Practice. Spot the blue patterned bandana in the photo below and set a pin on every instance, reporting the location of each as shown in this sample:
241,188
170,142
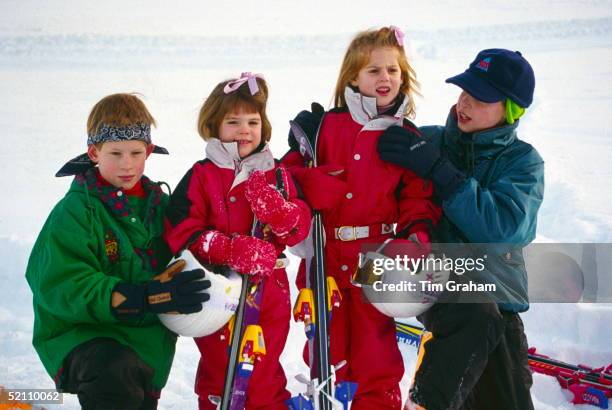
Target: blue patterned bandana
109,133
112,133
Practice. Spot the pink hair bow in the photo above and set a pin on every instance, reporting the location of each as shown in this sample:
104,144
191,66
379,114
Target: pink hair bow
247,77
399,35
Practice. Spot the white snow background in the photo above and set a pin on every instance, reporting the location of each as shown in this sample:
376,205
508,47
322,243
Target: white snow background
57,58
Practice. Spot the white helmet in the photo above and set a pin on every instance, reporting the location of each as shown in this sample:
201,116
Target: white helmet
216,312
399,292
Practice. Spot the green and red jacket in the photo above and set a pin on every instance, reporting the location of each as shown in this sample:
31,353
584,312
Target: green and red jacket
94,238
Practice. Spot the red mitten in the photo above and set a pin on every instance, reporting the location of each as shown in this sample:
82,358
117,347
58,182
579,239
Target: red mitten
322,187
418,245
301,230
244,254
252,256
268,203
422,239
212,247
401,248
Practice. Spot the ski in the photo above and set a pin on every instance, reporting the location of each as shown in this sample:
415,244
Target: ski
313,308
247,344
588,385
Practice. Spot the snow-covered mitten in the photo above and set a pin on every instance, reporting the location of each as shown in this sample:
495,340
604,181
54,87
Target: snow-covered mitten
268,203
242,253
322,186
252,256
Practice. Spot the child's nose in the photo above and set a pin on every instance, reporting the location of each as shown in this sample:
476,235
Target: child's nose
464,100
244,128
126,162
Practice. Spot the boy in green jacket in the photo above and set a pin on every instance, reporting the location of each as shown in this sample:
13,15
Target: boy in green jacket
92,269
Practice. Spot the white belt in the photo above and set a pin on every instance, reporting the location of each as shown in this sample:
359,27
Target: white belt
351,233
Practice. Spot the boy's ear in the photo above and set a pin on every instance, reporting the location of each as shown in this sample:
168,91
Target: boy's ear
92,153
150,148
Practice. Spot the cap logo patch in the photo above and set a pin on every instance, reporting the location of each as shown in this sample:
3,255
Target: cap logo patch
484,64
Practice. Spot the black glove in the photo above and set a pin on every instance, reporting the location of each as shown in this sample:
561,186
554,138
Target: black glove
309,121
181,293
410,150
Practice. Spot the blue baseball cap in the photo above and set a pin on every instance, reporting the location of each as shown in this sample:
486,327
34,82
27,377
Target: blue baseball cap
497,74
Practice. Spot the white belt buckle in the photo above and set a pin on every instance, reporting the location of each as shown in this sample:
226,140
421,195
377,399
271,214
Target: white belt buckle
350,235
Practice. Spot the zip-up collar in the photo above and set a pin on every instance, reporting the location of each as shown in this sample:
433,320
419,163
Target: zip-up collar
486,142
225,155
364,111
466,148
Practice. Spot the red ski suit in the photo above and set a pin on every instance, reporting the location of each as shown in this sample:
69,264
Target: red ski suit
377,193
211,196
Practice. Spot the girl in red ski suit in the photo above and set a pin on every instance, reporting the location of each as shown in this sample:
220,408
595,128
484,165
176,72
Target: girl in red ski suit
211,213
361,198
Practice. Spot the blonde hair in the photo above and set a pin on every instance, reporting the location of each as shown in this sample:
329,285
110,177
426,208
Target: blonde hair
118,110
358,55
219,104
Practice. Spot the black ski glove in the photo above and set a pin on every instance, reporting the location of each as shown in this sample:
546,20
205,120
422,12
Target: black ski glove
309,121
410,150
178,293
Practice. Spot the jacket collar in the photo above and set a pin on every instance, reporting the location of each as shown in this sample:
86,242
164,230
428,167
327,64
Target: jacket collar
114,198
364,111
225,155
485,142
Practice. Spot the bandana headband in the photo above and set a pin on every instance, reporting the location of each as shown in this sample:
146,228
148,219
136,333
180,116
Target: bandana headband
112,133
247,77
109,133
399,35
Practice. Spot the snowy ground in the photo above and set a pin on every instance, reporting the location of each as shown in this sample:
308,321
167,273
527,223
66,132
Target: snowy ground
58,58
